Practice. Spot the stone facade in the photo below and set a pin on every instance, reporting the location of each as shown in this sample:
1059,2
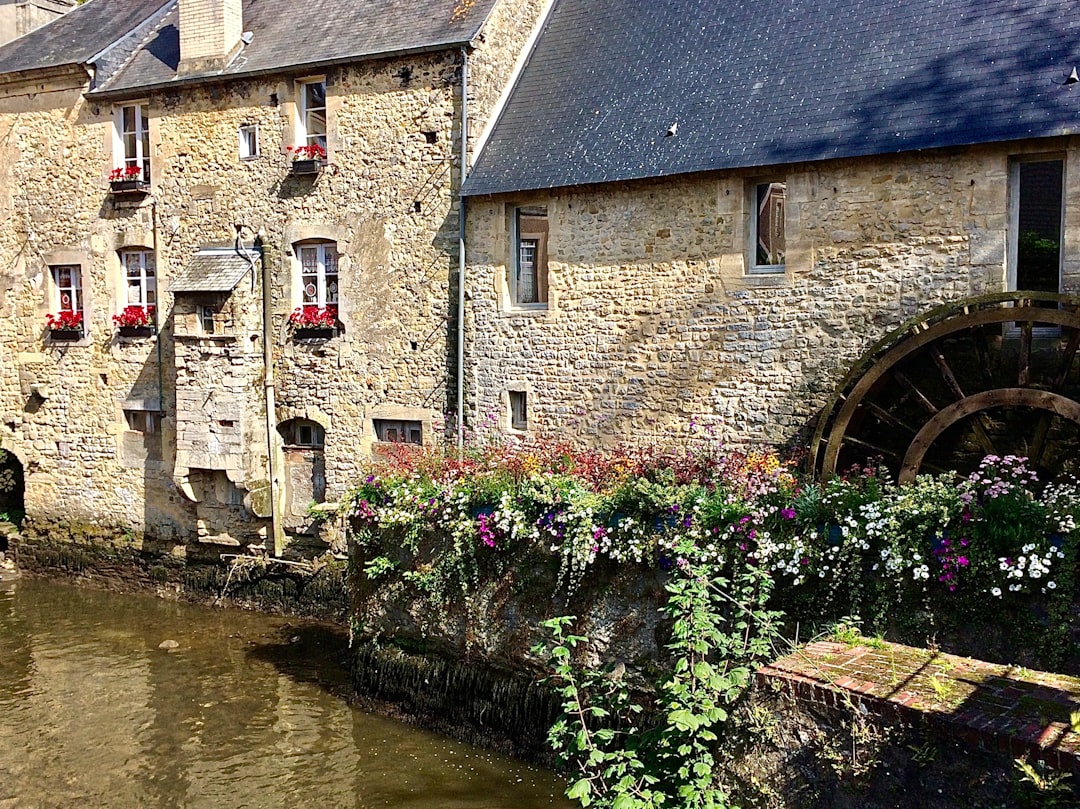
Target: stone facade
165,436
18,17
654,322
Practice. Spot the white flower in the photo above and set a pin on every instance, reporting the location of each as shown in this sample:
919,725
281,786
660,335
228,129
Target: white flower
996,591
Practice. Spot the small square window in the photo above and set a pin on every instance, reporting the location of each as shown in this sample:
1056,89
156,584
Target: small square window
519,410
767,244
529,262
396,431
249,141
143,421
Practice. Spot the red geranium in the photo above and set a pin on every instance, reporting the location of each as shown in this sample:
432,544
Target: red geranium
312,317
65,321
125,173
135,316
312,152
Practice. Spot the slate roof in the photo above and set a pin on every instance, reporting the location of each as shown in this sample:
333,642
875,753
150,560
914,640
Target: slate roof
77,36
212,269
753,85
288,34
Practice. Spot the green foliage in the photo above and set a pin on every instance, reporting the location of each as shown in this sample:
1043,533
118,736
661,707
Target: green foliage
1039,787
630,755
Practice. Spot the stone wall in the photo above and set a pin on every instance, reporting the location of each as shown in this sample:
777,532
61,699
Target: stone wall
386,198
653,321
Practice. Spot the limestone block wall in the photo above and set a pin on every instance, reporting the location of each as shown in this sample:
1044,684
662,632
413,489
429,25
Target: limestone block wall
386,199
654,323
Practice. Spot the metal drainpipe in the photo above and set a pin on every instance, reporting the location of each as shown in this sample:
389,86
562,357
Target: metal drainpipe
157,314
268,385
461,248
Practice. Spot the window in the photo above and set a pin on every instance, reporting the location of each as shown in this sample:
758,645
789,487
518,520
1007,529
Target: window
767,247
141,279
133,131
69,299
519,410
143,421
529,272
397,431
318,275
1037,214
206,319
249,141
303,433
312,108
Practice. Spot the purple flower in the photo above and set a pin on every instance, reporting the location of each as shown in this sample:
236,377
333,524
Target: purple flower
787,513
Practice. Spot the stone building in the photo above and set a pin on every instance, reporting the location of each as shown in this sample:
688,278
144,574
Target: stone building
708,217
18,17
227,239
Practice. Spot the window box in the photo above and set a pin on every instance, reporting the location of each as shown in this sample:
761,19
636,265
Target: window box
135,331
65,335
122,187
307,167
314,332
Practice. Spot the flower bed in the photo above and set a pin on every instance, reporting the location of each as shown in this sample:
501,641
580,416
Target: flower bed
940,549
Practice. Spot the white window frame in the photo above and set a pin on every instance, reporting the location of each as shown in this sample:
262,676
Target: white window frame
207,321
140,155
322,278
520,238
74,290
1014,214
304,136
755,222
145,276
247,136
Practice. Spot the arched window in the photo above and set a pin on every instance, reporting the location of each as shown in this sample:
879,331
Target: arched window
302,434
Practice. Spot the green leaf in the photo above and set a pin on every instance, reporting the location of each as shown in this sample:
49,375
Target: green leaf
683,720
580,791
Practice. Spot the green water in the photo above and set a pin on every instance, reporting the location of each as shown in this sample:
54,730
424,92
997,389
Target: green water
249,711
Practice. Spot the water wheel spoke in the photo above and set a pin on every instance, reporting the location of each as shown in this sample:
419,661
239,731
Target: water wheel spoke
982,350
888,417
890,453
1023,376
979,426
1066,362
920,397
946,373
1038,440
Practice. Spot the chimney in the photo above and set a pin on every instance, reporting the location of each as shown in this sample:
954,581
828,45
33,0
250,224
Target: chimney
209,34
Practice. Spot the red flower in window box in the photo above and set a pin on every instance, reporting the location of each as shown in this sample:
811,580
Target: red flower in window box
312,152
135,317
312,317
66,321
123,173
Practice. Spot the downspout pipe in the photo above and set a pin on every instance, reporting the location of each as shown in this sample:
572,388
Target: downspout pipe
271,407
460,388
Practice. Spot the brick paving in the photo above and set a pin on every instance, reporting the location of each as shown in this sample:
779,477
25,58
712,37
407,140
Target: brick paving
1009,709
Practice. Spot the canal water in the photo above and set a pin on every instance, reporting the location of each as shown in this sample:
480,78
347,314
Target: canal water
248,711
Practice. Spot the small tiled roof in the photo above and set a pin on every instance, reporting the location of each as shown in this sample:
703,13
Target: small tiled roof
287,35
213,269
751,85
79,35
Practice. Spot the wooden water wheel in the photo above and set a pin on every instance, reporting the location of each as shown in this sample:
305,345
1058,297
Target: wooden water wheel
993,375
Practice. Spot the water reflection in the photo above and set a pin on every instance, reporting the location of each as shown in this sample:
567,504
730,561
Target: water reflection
249,711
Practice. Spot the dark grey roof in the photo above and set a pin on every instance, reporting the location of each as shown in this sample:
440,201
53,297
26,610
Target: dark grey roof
212,269
754,85
79,35
287,34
